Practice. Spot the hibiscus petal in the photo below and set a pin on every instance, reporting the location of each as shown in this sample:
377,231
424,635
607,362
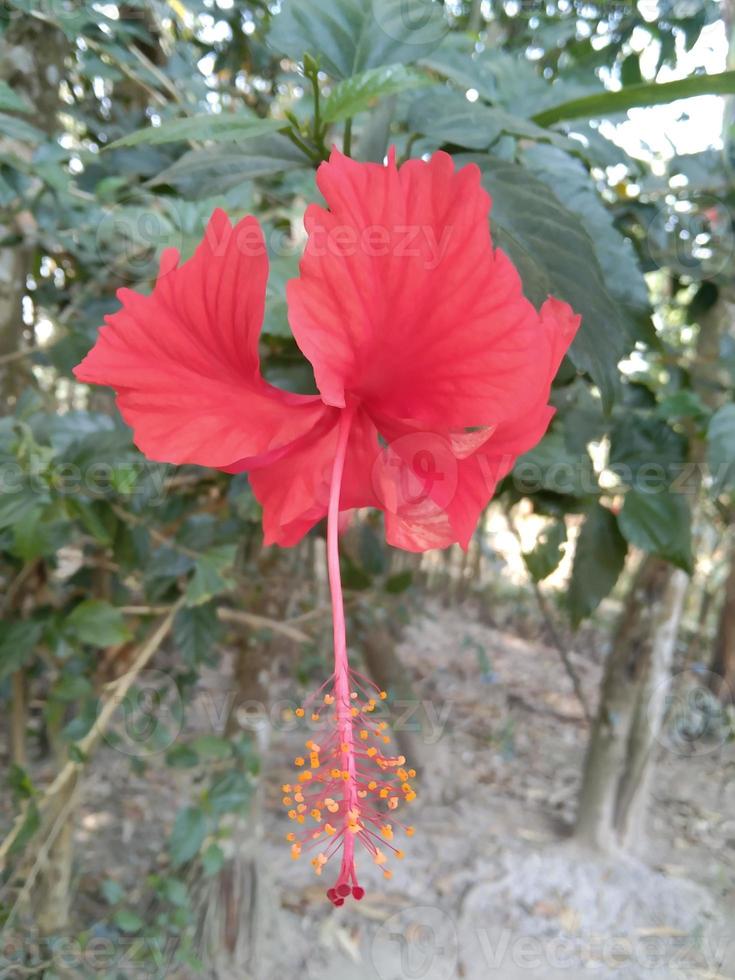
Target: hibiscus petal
294,490
184,360
433,486
403,302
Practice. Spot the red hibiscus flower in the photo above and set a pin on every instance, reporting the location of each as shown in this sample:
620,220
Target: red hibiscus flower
434,374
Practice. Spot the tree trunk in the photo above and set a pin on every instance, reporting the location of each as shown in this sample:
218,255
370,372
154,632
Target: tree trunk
723,663
235,919
616,778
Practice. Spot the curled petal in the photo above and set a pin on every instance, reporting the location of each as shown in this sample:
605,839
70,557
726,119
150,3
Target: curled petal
184,360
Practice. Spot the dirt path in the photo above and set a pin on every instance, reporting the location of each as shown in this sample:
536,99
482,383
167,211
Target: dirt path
490,886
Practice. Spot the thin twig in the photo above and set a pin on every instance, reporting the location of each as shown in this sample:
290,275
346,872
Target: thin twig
550,625
227,615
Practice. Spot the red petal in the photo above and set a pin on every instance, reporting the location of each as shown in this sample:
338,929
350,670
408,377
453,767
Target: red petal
294,491
402,301
184,360
433,486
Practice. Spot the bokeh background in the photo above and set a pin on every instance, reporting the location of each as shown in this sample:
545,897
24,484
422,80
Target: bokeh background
564,687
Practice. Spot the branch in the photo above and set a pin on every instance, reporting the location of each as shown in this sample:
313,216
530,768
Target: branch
551,627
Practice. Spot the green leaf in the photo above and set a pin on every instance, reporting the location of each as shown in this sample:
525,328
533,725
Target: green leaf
19,129
554,254
372,550
659,523
18,639
632,96
196,632
10,101
551,466
572,185
547,552
19,506
358,93
112,891
446,116
127,921
230,792
645,452
181,757
211,747
721,448
187,835
221,128
209,577
31,824
203,173
97,623
351,36
399,582
212,859
598,561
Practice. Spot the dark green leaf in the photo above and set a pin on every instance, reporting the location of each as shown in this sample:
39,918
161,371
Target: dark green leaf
399,582
554,254
547,552
187,836
18,639
551,466
209,578
196,632
659,523
598,561
572,185
96,623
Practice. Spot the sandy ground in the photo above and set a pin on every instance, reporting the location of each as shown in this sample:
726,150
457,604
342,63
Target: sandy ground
491,886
